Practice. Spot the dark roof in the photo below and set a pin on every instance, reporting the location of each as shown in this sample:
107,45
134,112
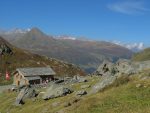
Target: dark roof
36,71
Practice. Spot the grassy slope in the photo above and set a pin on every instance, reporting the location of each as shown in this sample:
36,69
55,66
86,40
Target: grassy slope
39,106
142,56
125,98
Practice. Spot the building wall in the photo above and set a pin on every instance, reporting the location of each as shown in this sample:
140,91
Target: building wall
20,80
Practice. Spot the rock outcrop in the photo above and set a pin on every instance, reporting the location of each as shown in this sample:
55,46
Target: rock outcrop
106,68
105,82
55,91
25,92
110,72
122,66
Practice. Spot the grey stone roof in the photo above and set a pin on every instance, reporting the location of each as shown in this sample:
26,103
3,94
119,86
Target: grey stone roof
35,71
33,78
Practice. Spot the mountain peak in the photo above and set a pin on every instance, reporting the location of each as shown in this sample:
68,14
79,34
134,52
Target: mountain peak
36,31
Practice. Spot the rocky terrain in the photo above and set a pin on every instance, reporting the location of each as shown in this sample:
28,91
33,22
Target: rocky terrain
122,87
84,53
13,57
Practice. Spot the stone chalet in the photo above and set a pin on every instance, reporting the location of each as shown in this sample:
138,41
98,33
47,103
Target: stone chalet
36,75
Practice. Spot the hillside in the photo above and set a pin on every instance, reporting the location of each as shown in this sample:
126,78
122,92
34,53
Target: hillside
13,58
86,54
123,87
142,56
124,96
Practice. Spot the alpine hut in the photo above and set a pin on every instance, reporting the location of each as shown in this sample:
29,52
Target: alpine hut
36,75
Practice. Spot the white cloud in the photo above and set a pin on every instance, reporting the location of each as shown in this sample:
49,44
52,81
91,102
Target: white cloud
128,7
131,46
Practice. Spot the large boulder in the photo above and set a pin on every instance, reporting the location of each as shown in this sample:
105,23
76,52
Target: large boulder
105,82
25,92
106,68
56,91
125,66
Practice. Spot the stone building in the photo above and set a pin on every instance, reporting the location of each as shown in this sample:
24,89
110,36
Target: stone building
36,75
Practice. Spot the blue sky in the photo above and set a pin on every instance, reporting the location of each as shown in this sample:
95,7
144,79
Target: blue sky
121,20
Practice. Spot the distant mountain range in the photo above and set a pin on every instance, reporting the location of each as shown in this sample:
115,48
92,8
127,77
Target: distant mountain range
85,53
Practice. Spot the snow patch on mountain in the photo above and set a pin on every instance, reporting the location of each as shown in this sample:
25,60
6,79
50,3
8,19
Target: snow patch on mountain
65,37
132,46
14,31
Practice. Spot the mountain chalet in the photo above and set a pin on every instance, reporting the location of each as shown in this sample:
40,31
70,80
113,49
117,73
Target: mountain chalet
36,75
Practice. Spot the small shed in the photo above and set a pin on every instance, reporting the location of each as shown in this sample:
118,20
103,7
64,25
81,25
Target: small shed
36,75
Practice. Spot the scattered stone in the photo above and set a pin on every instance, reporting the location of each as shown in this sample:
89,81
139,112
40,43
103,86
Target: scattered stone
145,86
55,104
74,100
81,93
85,86
44,110
77,78
40,94
33,99
66,104
38,63
138,85
145,78
60,111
